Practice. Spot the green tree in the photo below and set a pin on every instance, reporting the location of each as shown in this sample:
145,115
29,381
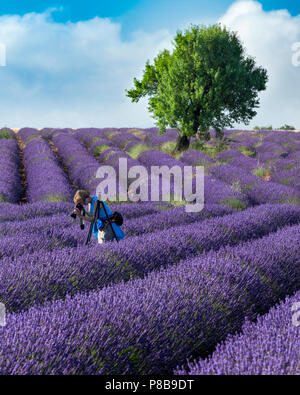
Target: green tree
206,82
287,127
263,127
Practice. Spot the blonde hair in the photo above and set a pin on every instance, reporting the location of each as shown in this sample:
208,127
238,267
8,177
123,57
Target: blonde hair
81,194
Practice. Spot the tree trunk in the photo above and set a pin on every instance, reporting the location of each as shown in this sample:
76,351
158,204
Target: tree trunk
183,143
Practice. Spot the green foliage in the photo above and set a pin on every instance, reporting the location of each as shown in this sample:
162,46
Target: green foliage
5,134
198,145
247,151
109,153
135,151
210,149
118,201
206,82
286,181
263,127
168,147
55,198
92,141
137,132
291,201
289,166
2,199
262,172
100,148
234,203
162,207
287,127
111,133
178,203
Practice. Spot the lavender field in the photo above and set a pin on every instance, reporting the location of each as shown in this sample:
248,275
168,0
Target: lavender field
204,293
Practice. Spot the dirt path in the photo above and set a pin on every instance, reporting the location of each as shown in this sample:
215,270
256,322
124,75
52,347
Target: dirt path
22,171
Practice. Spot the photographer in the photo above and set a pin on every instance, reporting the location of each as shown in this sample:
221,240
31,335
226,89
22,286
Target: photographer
102,229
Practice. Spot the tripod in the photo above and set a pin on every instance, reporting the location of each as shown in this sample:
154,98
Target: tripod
96,215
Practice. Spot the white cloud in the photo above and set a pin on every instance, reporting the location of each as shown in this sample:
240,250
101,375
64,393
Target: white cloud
269,37
72,74
75,74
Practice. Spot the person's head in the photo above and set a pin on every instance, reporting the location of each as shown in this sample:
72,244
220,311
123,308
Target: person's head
82,197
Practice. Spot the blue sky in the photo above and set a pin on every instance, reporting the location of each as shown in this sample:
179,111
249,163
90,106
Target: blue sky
81,10
68,62
137,14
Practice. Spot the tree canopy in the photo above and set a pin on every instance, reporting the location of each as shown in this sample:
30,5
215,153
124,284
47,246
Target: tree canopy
208,81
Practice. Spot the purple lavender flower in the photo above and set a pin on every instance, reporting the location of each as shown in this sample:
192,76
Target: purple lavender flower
152,325
46,181
10,183
114,262
268,347
270,192
28,134
99,146
228,155
89,136
238,178
196,158
120,140
290,178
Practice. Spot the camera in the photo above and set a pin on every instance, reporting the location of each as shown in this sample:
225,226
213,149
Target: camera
78,207
81,209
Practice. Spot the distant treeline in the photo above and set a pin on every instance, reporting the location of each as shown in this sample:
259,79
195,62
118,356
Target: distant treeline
284,127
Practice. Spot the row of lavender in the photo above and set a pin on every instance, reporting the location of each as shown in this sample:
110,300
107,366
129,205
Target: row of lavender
45,179
152,325
12,213
58,231
56,273
81,166
10,183
269,347
134,215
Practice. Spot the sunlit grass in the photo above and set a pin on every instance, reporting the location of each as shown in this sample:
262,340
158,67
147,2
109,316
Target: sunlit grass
135,151
211,150
290,201
286,181
55,198
111,133
235,203
138,133
94,141
262,172
247,151
100,148
168,147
